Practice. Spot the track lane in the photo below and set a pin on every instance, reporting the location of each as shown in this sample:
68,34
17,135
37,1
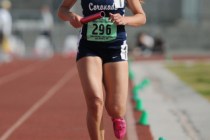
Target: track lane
61,118
19,73
16,65
19,95
67,76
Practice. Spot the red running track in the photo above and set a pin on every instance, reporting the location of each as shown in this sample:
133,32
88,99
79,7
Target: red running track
43,100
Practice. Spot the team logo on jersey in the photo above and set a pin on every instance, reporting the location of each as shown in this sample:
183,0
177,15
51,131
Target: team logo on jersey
94,7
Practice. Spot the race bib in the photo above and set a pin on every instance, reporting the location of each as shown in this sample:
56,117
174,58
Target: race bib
101,30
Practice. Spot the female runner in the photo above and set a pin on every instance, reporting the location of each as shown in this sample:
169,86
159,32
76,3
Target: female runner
102,59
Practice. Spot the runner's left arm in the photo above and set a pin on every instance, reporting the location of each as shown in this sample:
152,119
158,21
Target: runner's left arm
137,19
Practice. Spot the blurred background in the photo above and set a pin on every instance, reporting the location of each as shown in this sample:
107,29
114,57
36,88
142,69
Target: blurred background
180,27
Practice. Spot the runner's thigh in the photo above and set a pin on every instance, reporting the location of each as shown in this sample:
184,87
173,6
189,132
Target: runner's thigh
90,72
116,83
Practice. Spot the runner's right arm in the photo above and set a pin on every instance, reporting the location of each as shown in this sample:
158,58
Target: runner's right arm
65,14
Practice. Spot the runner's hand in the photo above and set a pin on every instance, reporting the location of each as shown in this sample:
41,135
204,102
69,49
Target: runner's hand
117,19
74,20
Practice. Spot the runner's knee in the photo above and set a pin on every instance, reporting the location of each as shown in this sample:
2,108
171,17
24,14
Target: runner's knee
116,111
95,106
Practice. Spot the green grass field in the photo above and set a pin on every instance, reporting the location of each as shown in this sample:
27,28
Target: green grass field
195,74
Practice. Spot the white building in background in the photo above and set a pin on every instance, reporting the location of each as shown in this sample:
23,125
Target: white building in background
70,45
43,47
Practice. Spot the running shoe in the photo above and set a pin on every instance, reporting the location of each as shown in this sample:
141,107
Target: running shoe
119,128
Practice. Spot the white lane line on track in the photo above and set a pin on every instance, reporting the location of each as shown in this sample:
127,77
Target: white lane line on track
52,91
17,74
131,128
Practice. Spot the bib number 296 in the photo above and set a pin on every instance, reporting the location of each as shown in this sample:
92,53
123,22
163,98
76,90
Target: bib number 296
101,30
